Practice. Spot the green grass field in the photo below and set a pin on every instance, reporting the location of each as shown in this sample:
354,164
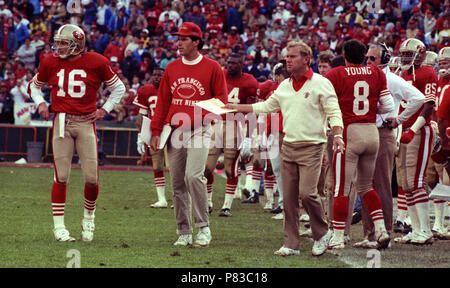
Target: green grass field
130,234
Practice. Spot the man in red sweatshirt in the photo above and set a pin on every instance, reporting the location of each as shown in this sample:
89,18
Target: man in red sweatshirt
186,81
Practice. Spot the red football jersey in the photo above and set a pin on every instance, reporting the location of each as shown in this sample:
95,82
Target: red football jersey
75,83
358,89
443,111
146,99
264,95
242,88
266,88
425,79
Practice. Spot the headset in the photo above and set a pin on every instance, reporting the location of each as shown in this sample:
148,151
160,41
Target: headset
385,53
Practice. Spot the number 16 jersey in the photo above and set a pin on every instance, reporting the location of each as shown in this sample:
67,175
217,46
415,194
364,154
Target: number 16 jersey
358,89
74,84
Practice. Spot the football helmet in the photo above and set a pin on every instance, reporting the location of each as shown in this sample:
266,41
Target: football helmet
444,62
69,40
431,59
412,52
394,64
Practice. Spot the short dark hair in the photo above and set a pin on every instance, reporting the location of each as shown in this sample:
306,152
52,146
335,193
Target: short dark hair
337,61
200,44
355,51
281,70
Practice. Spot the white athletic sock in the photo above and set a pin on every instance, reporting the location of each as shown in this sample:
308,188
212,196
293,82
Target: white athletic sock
161,192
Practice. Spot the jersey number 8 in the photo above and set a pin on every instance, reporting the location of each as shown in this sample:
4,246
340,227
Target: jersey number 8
361,86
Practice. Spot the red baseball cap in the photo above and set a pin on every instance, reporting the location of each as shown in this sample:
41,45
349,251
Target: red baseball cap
189,29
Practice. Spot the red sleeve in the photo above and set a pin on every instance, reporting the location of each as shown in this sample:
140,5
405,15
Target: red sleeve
106,74
162,105
219,84
140,100
44,71
443,111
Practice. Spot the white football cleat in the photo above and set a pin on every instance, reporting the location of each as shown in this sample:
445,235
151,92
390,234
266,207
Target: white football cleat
283,251
279,216
62,235
184,240
203,238
321,245
422,238
87,230
405,239
336,244
268,206
159,204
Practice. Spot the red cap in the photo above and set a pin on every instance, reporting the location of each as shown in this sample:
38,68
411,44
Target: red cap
189,29
353,9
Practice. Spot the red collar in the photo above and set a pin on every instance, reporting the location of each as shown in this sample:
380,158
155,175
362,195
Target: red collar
298,84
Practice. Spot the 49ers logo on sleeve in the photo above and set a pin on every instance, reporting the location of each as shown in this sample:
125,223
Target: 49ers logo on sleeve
187,87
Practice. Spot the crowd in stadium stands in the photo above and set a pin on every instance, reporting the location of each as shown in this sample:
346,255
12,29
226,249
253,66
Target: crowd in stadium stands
136,34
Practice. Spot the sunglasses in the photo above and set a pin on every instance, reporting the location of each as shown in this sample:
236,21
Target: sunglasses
372,58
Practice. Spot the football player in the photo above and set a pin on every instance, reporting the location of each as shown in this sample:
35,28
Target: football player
242,88
417,141
75,76
146,101
443,117
379,55
361,92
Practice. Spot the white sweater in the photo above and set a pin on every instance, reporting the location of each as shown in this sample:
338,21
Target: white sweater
306,111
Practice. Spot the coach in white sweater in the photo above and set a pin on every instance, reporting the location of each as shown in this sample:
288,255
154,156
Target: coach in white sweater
306,101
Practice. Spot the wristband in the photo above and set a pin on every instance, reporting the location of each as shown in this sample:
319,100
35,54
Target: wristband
339,135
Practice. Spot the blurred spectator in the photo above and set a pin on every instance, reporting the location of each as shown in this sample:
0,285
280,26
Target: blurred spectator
27,54
118,21
137,53
353,17
19,92
417,17
330,17
4,11
429,22
214,24
406,6
21,29
8,40
136,22
104,14
170,56
251,67
129,65
37,42
114,48
166,26
6,104
173,15
195,16
37,26
234,18
26,9
412,30
45,52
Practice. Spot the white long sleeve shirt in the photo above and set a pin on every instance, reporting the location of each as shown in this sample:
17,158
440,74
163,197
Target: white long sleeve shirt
305,112
401,90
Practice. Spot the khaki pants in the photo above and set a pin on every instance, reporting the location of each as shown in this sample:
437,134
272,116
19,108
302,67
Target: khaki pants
382,182
300,171
80,134
414,159
187,167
